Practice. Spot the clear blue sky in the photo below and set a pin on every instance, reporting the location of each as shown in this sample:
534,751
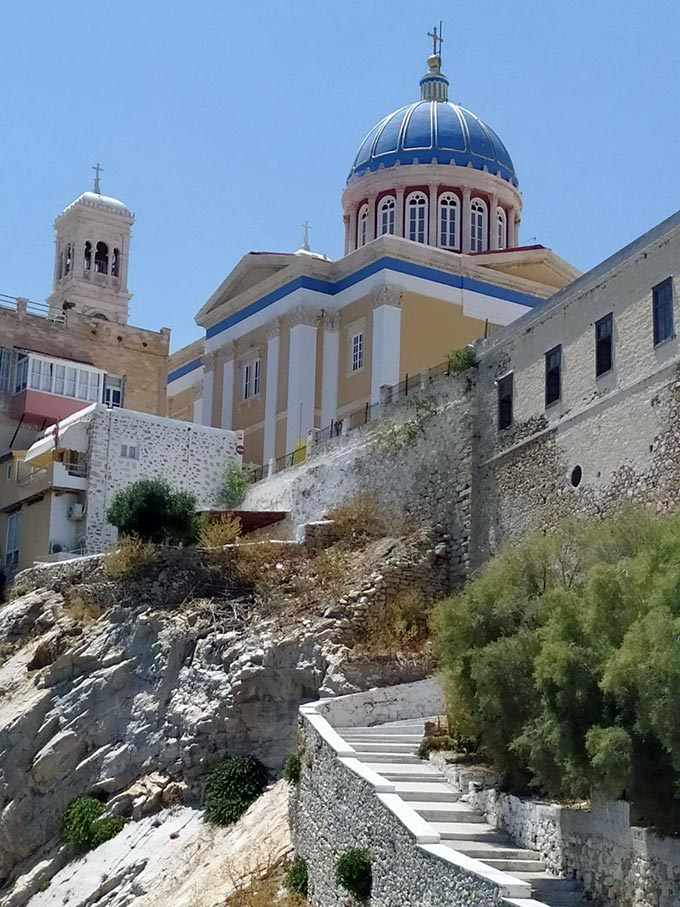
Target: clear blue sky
225,125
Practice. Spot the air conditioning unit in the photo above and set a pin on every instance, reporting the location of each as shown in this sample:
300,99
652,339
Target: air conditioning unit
75,512
56,547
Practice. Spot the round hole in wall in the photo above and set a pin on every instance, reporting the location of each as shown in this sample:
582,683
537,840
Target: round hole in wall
576,476
144,344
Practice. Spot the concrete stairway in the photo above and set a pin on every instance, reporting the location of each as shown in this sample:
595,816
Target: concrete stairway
391,751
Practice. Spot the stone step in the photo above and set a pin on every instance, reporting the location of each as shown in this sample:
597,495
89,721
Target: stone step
492,850
383,746
514,866
448,814
416,771
438,791
392,758
412,740
552,891
412,730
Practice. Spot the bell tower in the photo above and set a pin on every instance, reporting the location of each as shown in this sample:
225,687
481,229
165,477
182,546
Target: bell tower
91,256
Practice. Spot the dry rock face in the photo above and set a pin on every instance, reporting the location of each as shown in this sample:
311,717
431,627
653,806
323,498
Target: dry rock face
134,703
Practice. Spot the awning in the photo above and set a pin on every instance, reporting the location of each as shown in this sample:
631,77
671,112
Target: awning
63,436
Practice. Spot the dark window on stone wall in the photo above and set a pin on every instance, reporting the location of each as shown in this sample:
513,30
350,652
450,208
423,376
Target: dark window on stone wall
604,340
505,389
662,306
553,375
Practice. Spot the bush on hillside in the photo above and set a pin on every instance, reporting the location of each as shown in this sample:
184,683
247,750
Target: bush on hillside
236,480
84,829
459,361
152,511
217,533
563,659
130,558
232,787
291,768
296,880
359,520
353,872
400,626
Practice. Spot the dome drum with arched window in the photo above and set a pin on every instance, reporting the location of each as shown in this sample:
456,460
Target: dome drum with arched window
433,173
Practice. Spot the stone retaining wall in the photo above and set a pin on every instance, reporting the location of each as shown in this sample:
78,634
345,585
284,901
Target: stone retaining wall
619,865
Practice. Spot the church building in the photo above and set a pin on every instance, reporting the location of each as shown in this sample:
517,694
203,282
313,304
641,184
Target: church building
432,261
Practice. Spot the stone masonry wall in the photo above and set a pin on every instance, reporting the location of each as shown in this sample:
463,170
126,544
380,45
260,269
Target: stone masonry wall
191,457
336,810
619,866
417,462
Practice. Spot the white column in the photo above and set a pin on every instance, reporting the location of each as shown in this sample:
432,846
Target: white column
493,223
301,375
399,213
386,349
208,385
433,239
198,403
371,218
467,222
227,415
271,391
330,370
345,218
352,227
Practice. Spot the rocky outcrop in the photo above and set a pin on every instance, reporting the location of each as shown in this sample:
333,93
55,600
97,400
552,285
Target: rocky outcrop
128,690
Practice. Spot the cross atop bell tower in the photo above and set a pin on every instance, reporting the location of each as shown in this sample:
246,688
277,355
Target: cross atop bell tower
97,170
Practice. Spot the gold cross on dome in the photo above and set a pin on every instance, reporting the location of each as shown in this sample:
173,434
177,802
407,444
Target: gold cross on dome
97,170
436,39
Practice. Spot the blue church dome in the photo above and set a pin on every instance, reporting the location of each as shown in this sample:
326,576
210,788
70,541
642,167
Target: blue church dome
433,130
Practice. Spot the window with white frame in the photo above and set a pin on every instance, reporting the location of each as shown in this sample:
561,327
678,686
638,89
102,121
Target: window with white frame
113,391
12,540
129,451
362,226
477,225
252,374
449,221
416,208
386,212
51,377
502,228
357,350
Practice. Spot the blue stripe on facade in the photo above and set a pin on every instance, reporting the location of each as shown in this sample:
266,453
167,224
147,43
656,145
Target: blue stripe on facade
184,370
332,289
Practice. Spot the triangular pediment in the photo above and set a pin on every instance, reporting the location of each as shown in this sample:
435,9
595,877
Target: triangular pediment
252,269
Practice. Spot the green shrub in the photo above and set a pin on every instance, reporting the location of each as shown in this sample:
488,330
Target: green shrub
83,827
78,819
235,484
296,880
461,360
105,829
291,769
457,743
154,512
232,787
353,872
563,658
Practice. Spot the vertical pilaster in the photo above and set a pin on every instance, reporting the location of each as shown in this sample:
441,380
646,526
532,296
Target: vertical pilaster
227,415
330,369
386,348
198,403
345,220
271,390
208,387
371,218
493,223
467,221
352,227
399,213
301,375
433,239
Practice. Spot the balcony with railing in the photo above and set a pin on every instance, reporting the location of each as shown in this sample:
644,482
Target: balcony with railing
29,482
22,306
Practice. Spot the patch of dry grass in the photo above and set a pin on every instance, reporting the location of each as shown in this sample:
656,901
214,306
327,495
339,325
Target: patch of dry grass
220,532
399,627
130,557
359,520
262,886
